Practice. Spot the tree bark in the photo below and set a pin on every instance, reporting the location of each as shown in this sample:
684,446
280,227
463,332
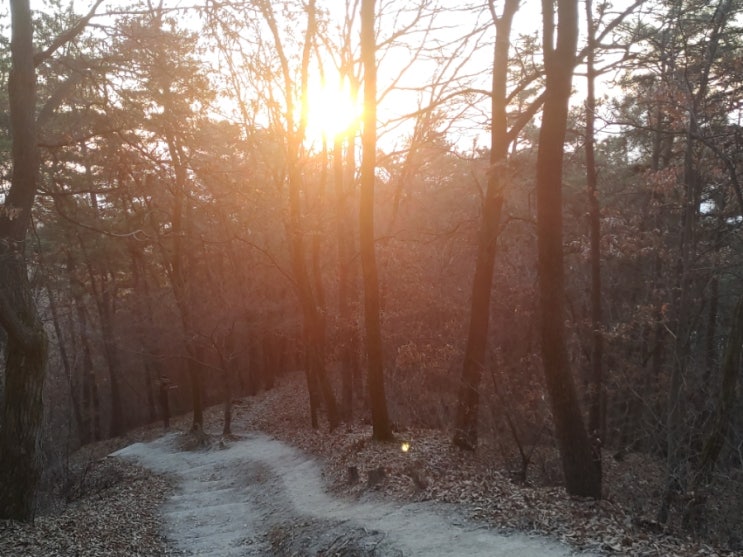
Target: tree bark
375,358
344,260
582,476
106,314
596,418
313,322
465,428
91,430
180,264
26,348
64,356
145,326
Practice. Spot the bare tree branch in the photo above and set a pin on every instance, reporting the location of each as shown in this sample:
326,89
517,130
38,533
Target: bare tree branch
66,36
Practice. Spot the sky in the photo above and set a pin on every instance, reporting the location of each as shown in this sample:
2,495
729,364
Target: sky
393,66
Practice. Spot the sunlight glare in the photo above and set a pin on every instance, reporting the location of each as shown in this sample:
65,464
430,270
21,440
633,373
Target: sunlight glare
330,110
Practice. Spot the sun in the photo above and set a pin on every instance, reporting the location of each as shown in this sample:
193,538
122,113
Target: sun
331,109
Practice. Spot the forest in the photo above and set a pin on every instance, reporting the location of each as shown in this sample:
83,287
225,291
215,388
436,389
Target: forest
517,224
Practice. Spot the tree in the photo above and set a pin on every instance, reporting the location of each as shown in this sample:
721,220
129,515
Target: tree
347,329
26,349
465,435
170,77
582,475
26,345
596,417
344,182
314,323
375,360
696,95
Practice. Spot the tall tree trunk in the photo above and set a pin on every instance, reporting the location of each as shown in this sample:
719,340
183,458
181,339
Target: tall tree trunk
375,358
62,346
465,427
317,288
582,475
596,421
180,266
682,325
106,308
225,349
710,350
344,260
313,322
145,327
181,259
354,350
91,430
26,347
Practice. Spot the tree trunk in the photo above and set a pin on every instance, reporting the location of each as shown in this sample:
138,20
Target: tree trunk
596,415
64,356
194,354
145,326
710,350
227,363
25,366
26,347
343,305
104,304
354,349
465,428
164,389
91,430
179,278
582,476
375,376
313,322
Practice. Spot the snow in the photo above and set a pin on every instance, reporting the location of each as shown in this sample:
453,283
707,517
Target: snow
239,499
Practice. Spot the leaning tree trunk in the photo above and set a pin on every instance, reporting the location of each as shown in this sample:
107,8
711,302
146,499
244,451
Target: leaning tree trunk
582,476
465,429
26,348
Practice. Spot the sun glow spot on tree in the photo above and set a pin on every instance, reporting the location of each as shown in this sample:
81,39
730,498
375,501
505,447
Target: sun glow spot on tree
330,109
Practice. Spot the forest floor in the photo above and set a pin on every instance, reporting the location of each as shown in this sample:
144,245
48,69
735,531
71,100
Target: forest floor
252,496
277,487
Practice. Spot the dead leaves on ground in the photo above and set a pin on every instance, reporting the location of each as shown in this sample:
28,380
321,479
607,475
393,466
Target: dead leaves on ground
116,513
431,469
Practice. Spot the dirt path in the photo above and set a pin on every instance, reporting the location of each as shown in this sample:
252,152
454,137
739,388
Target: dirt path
260,497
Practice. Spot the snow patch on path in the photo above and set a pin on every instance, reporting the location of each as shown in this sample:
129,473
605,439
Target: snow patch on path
231,501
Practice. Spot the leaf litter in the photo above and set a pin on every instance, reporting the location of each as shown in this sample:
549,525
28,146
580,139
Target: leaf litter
124,511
